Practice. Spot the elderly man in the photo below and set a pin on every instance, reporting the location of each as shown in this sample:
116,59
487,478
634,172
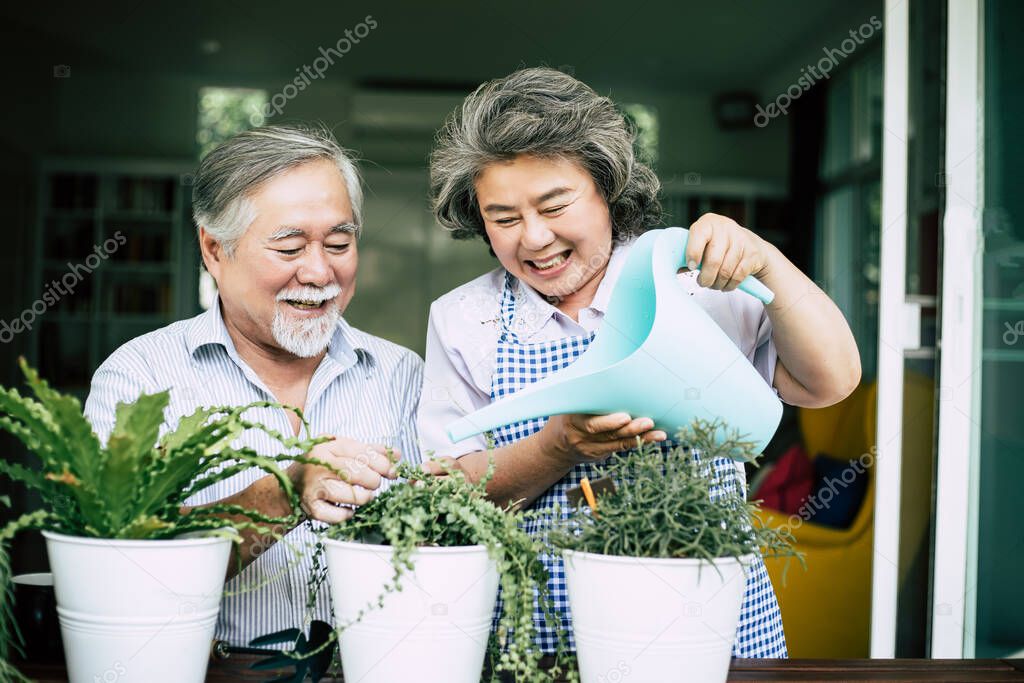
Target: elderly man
278,211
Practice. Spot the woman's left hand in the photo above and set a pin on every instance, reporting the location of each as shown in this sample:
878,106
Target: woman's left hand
725,251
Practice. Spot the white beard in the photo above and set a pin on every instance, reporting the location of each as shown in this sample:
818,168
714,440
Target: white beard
309,337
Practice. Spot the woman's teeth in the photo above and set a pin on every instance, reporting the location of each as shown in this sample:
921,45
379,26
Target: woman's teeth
550,263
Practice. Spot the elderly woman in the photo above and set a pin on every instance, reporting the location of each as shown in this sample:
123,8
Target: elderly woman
542,168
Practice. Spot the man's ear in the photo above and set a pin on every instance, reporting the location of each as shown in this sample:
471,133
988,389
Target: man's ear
213,252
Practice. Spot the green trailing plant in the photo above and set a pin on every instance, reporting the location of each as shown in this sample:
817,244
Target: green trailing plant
9,636
675,505
446,511
134,487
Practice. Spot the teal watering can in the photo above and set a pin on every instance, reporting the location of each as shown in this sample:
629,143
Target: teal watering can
658,354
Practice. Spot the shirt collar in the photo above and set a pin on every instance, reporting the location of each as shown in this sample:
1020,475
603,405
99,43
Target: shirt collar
347,347
533,311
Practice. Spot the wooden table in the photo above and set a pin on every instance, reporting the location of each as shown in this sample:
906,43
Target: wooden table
236,668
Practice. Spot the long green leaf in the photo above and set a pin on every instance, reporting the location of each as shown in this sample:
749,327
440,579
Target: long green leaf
30,478
130,446
138,423
33,425
232,509
79,440
169,476
188,427
268,464
120,480
29,520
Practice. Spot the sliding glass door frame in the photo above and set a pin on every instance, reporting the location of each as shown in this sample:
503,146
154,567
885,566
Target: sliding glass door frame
893,325
954,598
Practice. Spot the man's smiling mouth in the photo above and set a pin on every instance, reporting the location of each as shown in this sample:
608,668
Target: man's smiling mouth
305,305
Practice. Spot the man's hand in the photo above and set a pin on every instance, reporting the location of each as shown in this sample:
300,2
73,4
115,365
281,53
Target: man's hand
322,490
579,438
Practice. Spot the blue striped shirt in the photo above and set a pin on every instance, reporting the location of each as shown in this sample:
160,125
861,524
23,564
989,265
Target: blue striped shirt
365,388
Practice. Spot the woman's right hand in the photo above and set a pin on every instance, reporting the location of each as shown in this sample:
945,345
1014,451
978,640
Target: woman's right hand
581,438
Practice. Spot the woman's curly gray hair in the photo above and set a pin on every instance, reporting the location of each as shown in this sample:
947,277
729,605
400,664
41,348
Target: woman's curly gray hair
545,113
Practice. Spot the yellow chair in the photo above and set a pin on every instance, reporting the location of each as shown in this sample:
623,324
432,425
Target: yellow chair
826,609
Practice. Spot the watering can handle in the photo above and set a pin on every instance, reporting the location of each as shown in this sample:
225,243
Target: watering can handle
750,284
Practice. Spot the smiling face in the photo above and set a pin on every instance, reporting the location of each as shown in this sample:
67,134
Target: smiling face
548,225
293,272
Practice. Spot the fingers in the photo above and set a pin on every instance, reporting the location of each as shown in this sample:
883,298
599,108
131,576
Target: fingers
336,491
323,511
614,426
331,500
599,424
725,251
654,436
361,462
350,474
731,267
711,265
380,459
600,435
439,466
700,234
635,428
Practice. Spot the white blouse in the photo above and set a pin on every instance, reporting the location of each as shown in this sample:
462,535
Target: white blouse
465,324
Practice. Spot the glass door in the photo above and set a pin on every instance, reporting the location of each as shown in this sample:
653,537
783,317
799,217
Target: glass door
977,607
913,190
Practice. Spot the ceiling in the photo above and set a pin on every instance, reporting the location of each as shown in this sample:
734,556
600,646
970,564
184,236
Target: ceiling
707,47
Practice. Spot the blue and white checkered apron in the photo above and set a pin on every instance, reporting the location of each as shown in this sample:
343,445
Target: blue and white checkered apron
518,365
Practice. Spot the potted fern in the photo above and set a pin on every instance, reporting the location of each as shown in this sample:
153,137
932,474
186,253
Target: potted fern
138,577
656,561
415,577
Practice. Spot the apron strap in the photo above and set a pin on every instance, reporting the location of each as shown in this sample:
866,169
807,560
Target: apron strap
507,310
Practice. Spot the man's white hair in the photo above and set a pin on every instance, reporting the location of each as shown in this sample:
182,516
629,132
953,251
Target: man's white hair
229,175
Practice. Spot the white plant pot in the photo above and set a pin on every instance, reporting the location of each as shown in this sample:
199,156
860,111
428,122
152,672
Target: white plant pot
432,631
137,610
654,620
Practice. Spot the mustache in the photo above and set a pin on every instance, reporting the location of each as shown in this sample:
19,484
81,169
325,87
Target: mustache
315,294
